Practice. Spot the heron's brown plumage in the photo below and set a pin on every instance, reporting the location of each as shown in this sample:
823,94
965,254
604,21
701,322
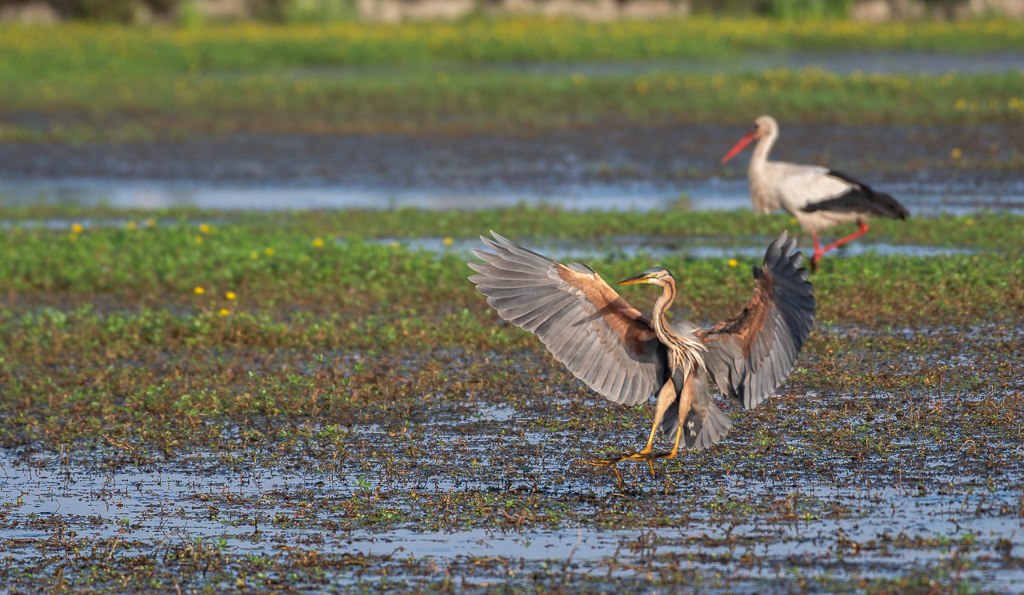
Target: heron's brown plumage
626,322
584,323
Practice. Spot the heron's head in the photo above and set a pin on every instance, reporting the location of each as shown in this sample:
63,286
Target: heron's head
653,276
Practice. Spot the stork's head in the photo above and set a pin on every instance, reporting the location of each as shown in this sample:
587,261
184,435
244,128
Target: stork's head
653,276
763,126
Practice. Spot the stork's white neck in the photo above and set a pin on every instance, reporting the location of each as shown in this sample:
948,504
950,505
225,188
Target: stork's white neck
761,150
761,192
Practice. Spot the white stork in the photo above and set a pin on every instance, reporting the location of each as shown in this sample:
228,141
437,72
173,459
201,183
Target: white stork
817,196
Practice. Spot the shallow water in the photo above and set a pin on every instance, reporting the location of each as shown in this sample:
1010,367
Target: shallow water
713,194
186,505
887,62
660,247
839,62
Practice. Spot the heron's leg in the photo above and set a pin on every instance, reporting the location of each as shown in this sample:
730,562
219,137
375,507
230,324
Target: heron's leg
863,230
817,247
666,396
685,404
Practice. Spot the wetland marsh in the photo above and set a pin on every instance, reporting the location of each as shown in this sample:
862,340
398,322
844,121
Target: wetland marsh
355,416
238,349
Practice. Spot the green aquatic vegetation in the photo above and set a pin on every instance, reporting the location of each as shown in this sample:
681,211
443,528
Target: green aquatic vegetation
255,276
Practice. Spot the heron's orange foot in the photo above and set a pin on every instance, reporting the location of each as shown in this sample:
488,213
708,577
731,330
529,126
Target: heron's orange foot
648,456
603,462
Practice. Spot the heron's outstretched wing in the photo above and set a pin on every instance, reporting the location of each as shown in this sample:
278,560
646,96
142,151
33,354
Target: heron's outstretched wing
584,323
752,353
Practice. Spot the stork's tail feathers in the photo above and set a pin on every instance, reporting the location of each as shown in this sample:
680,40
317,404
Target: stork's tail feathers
860,198
887,206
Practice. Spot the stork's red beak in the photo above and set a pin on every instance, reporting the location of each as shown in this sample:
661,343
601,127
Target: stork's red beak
739,146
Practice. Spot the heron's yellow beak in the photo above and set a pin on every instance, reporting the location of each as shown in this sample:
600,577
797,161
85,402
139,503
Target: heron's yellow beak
641,278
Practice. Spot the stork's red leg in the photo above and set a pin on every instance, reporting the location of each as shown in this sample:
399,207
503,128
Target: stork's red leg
817,248
863,230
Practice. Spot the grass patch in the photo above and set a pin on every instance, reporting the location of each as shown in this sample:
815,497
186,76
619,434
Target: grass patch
262,47
128,83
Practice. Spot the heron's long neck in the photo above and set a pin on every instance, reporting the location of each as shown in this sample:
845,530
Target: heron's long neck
680,347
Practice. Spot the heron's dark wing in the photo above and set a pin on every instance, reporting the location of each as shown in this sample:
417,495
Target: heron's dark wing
751,354
584,323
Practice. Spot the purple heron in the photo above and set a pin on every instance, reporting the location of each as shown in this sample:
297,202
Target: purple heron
817,196
627,357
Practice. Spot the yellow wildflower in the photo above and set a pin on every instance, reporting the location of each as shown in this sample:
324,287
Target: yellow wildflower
72,237
393,244
318,243
448,241
733,262
269,251
230,295
76,228
150,222
224,312
199,290
254,255
969,222
956,153
131,226
198,239
204,228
